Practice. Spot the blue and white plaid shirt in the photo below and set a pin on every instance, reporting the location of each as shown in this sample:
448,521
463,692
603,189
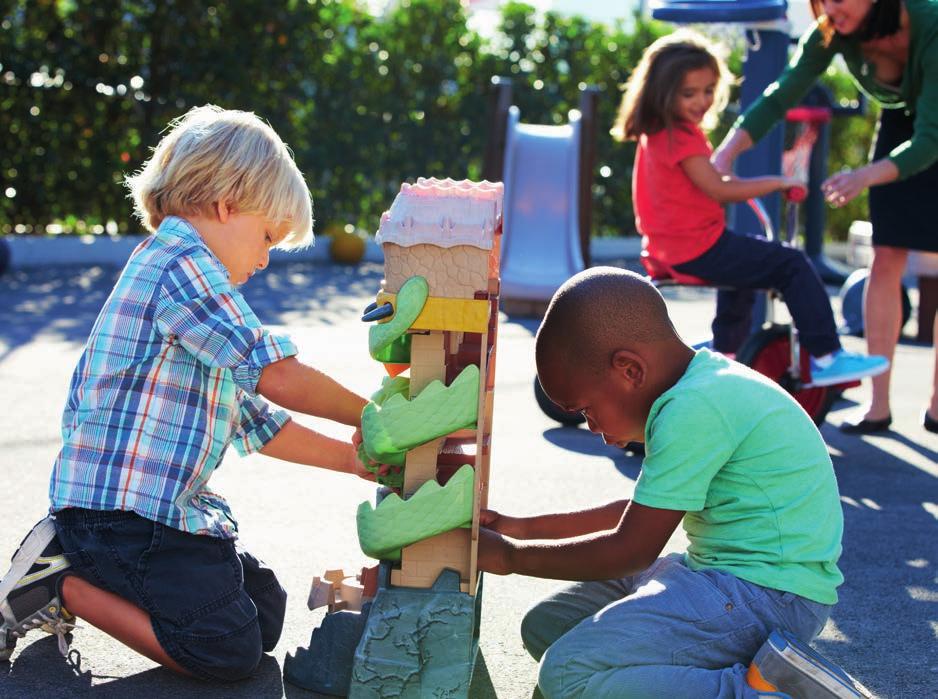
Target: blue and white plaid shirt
167,380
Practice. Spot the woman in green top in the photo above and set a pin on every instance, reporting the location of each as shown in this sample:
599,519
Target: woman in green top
891,49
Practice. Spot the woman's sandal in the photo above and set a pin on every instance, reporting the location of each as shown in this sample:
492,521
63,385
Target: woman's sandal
865,426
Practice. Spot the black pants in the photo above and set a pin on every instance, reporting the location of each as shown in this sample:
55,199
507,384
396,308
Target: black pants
748,263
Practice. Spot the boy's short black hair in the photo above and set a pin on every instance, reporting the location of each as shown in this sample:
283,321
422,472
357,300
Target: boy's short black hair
596,312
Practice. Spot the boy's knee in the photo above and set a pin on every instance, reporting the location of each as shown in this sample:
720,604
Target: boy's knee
556,674
534,634
271,612
223,643
230,658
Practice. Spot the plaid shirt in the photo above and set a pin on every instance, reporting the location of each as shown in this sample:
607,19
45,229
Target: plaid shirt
167,380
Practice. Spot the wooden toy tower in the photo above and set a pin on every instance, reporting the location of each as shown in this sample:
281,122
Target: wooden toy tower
449,233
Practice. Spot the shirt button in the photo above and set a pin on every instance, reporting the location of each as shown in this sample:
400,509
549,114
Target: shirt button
729,606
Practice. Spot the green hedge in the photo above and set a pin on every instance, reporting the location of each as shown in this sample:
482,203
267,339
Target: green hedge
364,102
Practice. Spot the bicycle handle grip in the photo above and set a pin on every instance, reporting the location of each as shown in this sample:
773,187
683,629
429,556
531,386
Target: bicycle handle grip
796,194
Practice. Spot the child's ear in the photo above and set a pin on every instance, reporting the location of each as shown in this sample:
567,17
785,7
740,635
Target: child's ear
223,210
630,366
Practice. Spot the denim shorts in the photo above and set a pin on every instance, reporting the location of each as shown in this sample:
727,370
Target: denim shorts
214,607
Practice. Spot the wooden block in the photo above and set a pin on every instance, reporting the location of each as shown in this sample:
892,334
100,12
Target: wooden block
426,559
420,466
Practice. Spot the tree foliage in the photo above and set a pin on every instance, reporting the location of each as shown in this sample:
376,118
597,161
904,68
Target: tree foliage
364,102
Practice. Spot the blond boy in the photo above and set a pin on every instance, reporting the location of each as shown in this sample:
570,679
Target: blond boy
173,372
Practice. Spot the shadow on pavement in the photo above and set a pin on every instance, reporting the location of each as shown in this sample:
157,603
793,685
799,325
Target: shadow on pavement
39,667
63,302
889,600
583,441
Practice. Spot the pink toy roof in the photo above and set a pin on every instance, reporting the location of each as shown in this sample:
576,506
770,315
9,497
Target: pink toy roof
443,213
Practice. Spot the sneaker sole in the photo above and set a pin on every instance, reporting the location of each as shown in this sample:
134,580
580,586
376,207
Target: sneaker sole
847,378
28,552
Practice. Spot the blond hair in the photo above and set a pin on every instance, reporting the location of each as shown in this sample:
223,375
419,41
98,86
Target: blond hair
214,155
651,91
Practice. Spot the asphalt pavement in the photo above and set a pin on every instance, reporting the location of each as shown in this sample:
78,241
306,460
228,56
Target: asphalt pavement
302,521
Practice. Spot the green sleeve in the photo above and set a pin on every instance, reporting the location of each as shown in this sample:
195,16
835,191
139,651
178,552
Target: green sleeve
809,61
921,150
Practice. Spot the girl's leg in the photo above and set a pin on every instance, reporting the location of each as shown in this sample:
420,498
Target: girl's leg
755,263
116,617
882,318
732,323
680,634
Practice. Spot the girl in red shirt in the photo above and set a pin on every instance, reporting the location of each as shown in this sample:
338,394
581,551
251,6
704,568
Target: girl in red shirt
679,85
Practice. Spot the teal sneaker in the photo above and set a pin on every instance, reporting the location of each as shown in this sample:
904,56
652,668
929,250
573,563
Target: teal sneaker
843,366
29,592
785,666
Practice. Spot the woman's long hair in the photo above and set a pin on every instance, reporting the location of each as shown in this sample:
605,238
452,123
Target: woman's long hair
882,20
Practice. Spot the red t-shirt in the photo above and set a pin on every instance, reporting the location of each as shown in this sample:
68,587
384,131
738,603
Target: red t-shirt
678,222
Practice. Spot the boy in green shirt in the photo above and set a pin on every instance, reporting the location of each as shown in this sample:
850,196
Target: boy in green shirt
729,454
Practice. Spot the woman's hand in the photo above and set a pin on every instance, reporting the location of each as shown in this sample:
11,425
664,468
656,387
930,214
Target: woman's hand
844,187
736,142
722,162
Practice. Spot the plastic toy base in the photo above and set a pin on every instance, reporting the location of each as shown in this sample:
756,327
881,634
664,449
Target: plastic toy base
326,666
418,643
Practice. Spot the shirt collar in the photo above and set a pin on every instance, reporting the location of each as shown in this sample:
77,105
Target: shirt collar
177,228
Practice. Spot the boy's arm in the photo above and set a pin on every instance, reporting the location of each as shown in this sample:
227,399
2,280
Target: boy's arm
725,189
631,547
296,386
302,445
561,525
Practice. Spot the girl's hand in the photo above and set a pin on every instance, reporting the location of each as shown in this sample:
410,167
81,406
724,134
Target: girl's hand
843,187
357,438
494,552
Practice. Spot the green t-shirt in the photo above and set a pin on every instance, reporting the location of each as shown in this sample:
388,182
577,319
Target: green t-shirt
744,460
918,91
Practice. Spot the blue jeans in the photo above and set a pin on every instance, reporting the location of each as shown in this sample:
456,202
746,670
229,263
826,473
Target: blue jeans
666,632
214,607
748,263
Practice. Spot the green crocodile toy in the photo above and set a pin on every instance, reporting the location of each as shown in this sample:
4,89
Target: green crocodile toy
432,510
397,425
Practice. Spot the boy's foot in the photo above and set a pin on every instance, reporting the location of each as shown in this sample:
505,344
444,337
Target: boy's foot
786,666
30,591
843,366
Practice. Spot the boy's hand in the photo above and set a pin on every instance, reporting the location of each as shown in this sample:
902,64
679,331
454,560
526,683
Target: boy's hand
503,524
494,552
357,438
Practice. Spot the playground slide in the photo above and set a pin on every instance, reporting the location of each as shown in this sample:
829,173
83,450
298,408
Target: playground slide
541,243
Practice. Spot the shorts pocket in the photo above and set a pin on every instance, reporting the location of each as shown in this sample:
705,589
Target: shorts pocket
189,576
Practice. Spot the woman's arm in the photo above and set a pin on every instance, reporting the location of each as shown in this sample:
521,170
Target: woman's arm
297,386
809,60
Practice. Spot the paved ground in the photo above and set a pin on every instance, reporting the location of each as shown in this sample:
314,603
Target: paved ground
885,629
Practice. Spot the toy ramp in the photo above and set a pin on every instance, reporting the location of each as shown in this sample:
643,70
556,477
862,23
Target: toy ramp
541,242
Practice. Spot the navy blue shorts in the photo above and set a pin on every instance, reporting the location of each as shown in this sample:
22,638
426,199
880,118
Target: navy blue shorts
214,607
